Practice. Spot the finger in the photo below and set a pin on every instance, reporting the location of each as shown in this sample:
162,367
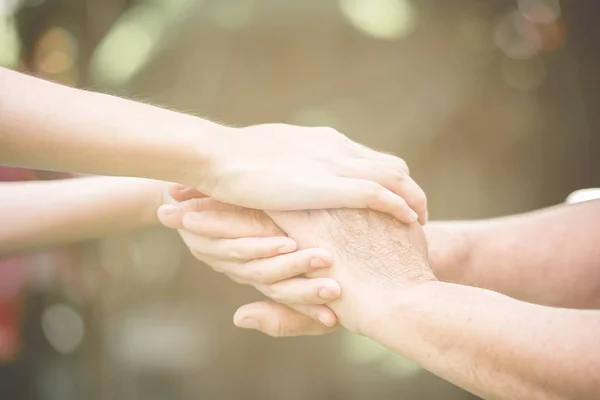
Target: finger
302,291
320,313
412,193
223,224
171,215
181,192
392,173
360,193
277,320
397,163
274,269
242,249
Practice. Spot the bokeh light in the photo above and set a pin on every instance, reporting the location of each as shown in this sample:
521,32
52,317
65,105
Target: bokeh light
517,37
381,19
63,327
134,39
55,54
10,47
127,47
460,100
9,7
361,350
540,11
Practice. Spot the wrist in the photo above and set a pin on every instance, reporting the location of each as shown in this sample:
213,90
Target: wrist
161,144
390,303
153,194
399,316
188,155
213,151
199,147
449,248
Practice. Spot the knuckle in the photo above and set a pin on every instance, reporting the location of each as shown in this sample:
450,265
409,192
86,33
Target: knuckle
300,263
258,276
400,175
374,190
234,254
230,251
196,204
274,327
403,166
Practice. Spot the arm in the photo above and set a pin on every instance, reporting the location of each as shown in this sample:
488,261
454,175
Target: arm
273,166
493,345
37,214
490,344
548,256
48,126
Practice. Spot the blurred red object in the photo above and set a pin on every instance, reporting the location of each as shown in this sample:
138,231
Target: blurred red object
13,277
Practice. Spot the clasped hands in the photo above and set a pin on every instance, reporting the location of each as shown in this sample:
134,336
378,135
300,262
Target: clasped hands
319,268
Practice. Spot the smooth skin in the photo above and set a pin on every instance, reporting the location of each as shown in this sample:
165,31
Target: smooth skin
37,214
47,126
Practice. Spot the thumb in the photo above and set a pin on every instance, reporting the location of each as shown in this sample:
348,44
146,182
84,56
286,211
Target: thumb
277,320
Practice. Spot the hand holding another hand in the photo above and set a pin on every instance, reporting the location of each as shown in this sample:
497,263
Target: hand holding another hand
373,256
248,247
287,167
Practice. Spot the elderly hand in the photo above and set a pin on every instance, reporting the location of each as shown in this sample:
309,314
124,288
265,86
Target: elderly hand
373,254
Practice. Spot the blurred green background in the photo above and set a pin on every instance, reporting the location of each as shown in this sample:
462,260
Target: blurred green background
493,103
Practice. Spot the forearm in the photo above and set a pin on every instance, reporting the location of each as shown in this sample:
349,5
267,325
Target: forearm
548,257
38,214
48,126
492,345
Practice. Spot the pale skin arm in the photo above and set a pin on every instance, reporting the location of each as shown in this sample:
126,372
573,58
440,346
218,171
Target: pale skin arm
48,126
547,257
40,214
271,166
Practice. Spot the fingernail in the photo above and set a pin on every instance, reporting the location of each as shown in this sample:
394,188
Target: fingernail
327,294
325,320
249,323
168,209
317,263
413,216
